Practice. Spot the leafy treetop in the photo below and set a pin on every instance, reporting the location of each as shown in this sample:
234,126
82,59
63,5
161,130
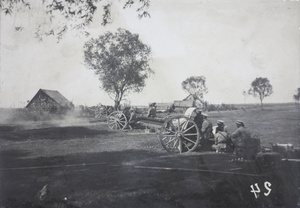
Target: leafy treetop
262,88
195,86
120,60
297,96
66,15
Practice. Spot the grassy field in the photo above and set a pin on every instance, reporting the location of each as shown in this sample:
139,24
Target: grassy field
276,123
87,165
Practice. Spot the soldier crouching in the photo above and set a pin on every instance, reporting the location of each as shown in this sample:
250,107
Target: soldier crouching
223,142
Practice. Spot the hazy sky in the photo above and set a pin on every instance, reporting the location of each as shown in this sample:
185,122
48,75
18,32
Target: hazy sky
230,42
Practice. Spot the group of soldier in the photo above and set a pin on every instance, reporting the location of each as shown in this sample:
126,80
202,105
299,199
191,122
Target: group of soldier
224,141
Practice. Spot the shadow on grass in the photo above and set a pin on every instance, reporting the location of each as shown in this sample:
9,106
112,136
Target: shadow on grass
23,203
110,179
13,154
53,133
5,128
8,158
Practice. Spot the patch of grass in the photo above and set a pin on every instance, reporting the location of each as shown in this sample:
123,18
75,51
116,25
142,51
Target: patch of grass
274,124
104,173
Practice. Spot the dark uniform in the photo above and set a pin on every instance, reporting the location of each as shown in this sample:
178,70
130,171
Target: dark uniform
206,129
152,110
245,146
241,133
132,119
198,120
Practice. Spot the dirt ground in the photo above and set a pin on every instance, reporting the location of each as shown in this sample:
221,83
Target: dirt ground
86,165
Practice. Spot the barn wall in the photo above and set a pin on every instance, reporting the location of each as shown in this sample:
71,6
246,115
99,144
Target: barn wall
163,106
42,102
184,103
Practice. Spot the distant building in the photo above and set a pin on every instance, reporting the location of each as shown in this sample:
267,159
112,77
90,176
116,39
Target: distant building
189,101
190,97
51,101
162,107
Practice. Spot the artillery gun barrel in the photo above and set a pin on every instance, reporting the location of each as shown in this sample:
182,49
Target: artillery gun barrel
151,122
154,120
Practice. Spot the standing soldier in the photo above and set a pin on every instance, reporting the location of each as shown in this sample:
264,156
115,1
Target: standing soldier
133,118
206,129
152,110
196,115
198,119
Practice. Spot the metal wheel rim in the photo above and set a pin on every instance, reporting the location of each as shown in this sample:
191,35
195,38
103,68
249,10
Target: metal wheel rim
117,120
179,134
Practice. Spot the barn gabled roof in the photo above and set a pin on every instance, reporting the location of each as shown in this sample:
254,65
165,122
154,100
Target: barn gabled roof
55,95
190,95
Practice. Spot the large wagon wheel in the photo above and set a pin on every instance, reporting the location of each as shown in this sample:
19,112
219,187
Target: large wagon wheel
117,120
179,134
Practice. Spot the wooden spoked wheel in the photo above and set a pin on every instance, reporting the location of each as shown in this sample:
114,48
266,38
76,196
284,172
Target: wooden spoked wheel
179,134
117,120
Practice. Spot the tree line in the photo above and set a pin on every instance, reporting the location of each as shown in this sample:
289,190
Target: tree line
260,87
196,86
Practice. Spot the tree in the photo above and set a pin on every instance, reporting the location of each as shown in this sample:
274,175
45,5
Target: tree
195,86
245,94
120,60
61,16
297,97
262,88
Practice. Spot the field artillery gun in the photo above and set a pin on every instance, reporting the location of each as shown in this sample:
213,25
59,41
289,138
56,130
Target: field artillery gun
176,133
181,133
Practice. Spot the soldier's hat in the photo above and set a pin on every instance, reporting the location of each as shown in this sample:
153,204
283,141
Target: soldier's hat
220,122
152,104
204,114
239,122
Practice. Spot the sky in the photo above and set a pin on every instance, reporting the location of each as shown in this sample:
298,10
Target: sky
230,42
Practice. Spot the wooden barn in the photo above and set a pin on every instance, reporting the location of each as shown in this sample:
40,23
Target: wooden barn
49,101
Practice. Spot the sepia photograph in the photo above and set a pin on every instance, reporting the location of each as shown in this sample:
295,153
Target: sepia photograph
150,103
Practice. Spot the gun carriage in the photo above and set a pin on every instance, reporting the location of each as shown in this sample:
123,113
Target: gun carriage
175,133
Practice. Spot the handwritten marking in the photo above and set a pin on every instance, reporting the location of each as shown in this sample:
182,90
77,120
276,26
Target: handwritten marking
256,190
